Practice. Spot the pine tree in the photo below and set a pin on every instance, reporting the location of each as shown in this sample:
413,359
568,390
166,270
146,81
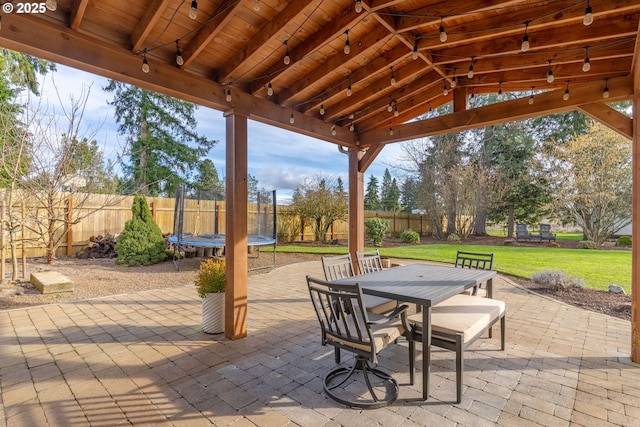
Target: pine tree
389,193
141,242
371,198
164,148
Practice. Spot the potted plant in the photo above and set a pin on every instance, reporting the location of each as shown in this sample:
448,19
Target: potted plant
210,282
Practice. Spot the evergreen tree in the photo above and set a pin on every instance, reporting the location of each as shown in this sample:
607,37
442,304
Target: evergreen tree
389,193
371,198
207,181
408,194
141,242
164,148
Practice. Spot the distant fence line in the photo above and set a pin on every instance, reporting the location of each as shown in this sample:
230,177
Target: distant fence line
206,216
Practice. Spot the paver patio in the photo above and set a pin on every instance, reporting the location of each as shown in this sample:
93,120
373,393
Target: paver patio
140,359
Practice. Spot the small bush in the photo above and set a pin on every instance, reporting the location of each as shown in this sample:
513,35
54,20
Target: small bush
141,241
453,237
587,244
409,236
557,279
374,229
212,277
623,241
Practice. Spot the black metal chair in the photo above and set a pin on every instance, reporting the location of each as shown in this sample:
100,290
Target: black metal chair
346,325
479,261
545,233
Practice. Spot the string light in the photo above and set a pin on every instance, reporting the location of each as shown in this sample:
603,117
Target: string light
499,89
445,90
52,5
352,127
588,15
550,77
179,58
393,78
270,89
525,40
322,109
292,119
531,97
586,65
390,131
287,57
454,81
470,72
349,91
429,104
443,33
347,44
358,6
333,130
396,113
390,106
145,63
228,96
605,92
256,5
414,54
565,96
193,10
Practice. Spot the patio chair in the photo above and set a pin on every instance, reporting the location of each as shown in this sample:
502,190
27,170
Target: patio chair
545,233
522,232
339,267
479,261
369,261
346,325
456,323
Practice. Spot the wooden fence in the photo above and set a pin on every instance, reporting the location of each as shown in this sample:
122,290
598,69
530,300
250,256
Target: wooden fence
107,214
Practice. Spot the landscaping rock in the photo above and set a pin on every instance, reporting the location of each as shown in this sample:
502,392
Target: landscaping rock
49,282
615,289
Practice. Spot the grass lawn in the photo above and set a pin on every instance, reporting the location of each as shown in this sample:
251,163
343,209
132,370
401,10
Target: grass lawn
598,268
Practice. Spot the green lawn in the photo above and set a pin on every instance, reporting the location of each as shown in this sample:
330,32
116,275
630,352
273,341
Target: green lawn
599,268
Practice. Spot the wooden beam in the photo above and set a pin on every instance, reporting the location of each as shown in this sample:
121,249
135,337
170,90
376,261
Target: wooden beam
272,30
77,13
609,117
22,33
368,157
237,239
146,24
635,230
210,30
518,109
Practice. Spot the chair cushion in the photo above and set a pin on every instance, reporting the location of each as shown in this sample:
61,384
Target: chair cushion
378,305
383,335
463,314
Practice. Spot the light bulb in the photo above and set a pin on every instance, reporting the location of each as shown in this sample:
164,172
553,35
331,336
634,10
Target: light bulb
396,113
322,109
525,43
445,91
550,77
565,96
145,65
454,82
287,58
349,92
390,131
228,97
352,127
588,16
390,107
586,65
256,5
393,80
292,119
470,72
347,47
270,89
605,93
179,58
193,10
358,6
443,34
531,99
52,5
333,130
414,54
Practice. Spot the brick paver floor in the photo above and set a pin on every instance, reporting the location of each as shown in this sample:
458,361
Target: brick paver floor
140,359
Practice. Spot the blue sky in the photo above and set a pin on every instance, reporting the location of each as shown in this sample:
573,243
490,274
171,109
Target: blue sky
279,159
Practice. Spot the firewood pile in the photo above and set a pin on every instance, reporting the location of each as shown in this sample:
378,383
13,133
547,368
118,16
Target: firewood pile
99,247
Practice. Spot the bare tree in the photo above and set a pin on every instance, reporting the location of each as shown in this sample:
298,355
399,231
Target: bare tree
52,165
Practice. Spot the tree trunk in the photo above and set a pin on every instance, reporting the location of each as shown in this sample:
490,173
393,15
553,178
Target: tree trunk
510,222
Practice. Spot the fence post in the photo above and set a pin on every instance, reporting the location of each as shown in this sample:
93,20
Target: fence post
2,241
153,210
23,211
69,227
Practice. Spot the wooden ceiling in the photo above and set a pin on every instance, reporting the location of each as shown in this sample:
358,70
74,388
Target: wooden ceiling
398,58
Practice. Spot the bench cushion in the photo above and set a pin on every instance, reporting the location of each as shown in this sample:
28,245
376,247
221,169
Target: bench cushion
379,305
463,314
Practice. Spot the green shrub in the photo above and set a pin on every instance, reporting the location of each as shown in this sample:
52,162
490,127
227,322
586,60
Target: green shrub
556,279
141,242
453,237
374,229
409,236
587,244
623,241
212,277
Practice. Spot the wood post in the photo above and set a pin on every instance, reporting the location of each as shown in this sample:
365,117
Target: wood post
69,227
356,204
635,233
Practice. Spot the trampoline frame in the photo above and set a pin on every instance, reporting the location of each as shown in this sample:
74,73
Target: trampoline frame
217,240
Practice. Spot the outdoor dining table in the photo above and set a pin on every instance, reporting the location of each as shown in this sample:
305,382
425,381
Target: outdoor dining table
425,285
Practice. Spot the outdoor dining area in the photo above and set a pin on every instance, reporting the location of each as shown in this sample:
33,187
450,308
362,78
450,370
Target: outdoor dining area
141,358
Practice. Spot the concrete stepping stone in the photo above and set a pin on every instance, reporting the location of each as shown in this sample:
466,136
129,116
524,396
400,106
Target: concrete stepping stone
49,282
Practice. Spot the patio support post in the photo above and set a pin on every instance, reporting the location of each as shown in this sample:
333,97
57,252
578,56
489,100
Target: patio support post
235,319
356,204
635,227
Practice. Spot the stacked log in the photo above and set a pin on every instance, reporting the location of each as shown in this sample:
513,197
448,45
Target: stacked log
99,247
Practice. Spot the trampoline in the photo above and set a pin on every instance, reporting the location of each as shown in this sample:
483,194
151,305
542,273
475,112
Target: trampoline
200,211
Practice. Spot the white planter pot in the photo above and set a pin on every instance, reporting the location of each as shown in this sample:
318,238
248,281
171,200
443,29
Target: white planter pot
213,313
